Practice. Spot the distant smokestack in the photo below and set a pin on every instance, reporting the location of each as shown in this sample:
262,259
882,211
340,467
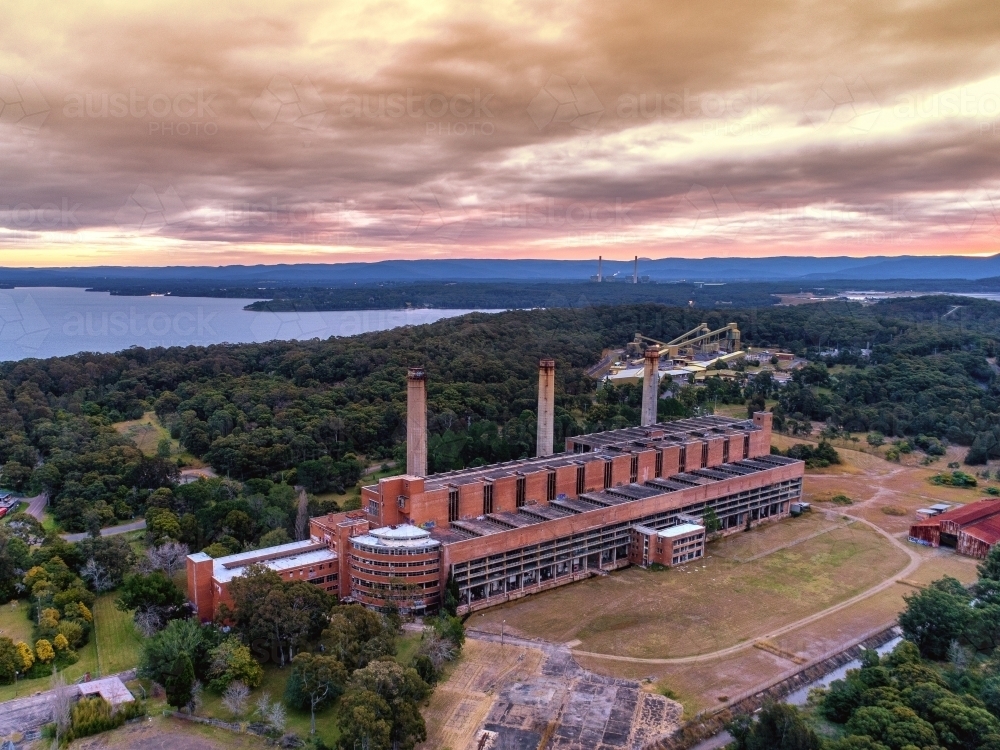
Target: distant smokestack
635,271
416,422
650,386
600,265
546,407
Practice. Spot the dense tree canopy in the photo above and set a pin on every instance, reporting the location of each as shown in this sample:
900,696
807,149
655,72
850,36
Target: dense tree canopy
264,410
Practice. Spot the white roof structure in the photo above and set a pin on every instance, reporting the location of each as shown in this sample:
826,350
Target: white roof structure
682,529
278,558
403,536
112,689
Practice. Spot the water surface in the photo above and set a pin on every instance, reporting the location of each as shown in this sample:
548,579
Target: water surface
56,321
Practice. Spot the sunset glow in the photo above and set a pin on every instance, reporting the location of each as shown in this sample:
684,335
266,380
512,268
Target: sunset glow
211,134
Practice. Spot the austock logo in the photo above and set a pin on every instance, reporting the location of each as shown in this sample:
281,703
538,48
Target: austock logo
22,105
837,102
147,210
281,101
559,101
23,326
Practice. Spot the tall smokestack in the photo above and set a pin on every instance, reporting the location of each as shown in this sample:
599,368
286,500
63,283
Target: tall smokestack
546,407
635,271
600,266
416,422
650,386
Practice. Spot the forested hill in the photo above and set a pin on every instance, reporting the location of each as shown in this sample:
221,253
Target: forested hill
506,296
262,409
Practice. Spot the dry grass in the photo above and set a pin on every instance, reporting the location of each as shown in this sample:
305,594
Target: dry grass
161,733
146,433
709,606
873,484
14,623
699,685
762,540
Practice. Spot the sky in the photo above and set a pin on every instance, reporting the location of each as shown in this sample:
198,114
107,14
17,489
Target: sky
157,133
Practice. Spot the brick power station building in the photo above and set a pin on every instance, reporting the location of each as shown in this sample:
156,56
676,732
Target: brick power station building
631,496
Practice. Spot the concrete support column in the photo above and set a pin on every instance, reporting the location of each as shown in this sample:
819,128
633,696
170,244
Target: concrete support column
650,386
546,407
416,422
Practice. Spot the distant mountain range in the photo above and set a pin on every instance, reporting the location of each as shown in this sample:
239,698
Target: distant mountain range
778,268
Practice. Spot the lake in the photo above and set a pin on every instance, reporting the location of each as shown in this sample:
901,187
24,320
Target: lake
56,321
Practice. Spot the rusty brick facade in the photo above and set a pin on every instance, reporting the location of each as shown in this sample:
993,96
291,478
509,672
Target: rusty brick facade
507,530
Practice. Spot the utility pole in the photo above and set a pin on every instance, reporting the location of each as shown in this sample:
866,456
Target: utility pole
502,624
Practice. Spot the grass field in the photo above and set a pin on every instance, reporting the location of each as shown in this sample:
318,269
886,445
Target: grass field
406,647
298,721
14,623
146,433
166,733
114,645
711,605
118,642
699,685
872,483
87,663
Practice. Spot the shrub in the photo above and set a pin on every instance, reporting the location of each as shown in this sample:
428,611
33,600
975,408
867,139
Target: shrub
955,479
841,500
72,632
817,457
95,715
26,655
60,643
44,651
231,662
930,445
893,510
10,662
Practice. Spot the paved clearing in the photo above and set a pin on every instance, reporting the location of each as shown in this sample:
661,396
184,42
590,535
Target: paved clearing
109,531
36,505
533,695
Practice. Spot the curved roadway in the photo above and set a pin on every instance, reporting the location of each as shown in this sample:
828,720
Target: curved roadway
915,561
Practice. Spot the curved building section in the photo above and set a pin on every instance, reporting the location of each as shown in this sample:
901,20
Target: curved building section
399,566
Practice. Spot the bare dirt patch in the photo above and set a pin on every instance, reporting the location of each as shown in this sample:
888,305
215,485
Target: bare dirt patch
459,705
159,733
699,685
904,488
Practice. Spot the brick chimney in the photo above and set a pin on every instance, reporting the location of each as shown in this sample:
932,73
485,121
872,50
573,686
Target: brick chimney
416,422
546,407
650,386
